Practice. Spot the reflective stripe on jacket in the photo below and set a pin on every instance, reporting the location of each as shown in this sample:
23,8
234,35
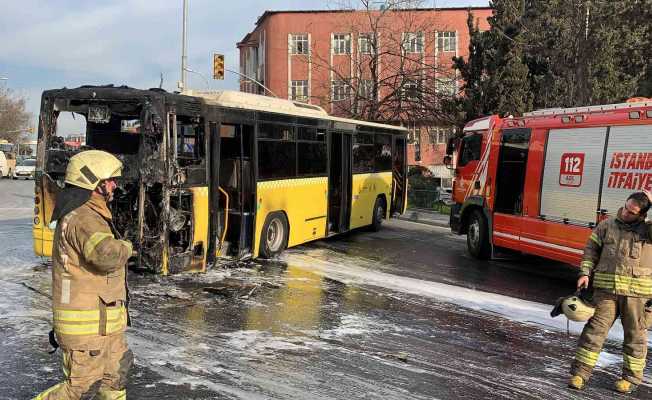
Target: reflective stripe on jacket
88,277
620,257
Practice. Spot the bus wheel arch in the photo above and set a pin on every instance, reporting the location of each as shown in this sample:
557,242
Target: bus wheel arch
379,212
476,228
274,235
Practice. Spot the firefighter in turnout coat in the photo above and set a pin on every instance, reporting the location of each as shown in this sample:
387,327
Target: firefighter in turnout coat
89,283
618,261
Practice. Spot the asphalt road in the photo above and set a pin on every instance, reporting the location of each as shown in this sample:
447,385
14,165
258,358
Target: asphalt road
403,313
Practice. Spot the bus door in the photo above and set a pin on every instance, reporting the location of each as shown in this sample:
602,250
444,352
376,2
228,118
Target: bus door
399,176
339,182
236,185
186,197
510,183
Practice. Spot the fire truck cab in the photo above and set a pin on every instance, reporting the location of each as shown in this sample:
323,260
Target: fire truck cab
540,183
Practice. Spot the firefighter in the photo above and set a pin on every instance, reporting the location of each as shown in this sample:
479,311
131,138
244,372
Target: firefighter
617,261
89,291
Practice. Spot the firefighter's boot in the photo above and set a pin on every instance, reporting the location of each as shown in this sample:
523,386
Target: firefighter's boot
624,386
576,382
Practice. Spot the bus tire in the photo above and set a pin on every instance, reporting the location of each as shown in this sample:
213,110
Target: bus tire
378,214
477,236
274,236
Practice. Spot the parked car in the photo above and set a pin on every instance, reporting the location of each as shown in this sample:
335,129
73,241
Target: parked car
446,198
25,169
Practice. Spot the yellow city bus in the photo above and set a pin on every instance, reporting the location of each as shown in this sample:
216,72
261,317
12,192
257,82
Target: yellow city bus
222,174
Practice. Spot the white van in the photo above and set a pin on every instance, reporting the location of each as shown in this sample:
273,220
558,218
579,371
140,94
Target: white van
4,165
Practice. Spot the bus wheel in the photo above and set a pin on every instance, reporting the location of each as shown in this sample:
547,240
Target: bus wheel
274,238
379,214
477,236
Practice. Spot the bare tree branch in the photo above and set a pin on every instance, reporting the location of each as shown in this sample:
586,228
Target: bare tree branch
14,119
399,79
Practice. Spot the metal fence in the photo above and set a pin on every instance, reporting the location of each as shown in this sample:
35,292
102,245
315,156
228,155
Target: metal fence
421,198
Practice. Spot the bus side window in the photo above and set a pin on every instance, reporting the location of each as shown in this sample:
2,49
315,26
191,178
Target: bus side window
311,152
382,152
471,149
363,153
277,151
190,141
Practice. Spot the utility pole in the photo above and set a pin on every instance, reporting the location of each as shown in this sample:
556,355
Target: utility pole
184,45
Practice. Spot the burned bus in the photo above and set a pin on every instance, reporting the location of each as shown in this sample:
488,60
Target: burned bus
222,174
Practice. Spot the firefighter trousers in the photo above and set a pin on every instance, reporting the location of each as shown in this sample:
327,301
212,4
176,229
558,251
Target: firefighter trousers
609,307
100,374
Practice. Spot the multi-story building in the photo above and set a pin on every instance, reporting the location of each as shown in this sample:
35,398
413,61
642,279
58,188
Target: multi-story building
387,65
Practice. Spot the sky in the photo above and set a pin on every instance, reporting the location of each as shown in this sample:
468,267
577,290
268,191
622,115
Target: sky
67,43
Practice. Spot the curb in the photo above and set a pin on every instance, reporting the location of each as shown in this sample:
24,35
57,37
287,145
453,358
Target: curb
443,224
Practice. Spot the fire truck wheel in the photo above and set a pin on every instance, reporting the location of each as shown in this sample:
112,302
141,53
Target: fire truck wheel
378,215
274,237
477,236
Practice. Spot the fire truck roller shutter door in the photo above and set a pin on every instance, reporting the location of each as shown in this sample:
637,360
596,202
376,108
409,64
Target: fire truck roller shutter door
572,172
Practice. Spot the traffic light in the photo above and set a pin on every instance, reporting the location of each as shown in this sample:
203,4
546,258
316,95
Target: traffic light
218,66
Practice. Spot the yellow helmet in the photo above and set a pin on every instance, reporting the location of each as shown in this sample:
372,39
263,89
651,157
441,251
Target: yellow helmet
574,308
88,168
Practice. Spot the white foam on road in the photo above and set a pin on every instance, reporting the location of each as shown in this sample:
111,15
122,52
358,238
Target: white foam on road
523,311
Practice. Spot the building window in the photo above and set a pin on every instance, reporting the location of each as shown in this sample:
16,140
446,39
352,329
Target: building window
341,90
365,43
446,41
439,135
299,44
413,42
446,87
413,133
411,90
299,91
342,43
366,89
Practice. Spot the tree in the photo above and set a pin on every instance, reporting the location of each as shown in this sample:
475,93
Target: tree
391,75
14,119
475,101
495,74
585,52
557,53
506,71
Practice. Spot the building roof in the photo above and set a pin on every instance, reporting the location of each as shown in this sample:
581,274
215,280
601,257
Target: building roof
269,13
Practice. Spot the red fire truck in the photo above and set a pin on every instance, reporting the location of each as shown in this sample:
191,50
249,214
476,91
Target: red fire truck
539,183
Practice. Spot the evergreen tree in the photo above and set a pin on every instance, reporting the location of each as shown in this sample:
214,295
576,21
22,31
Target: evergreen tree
557,53
475,102
506,71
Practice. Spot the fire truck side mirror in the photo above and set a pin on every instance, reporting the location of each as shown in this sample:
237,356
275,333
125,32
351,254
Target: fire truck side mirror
450,145
448,161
